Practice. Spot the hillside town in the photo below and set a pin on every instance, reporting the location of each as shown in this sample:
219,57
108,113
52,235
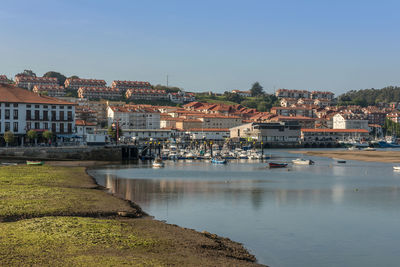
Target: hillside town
302,118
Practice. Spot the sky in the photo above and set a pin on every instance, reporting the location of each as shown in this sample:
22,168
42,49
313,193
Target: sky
205,45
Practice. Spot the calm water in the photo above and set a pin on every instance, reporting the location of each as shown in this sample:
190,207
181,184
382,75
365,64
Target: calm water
327,214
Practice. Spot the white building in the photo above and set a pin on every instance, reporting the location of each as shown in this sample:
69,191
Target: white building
22,110
350,121
134,117
242,93
208,134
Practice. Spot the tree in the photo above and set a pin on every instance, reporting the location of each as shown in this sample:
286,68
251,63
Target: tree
48,135
8,137
52,74
256,89
73,77
28,73
112,132
32,135
233,97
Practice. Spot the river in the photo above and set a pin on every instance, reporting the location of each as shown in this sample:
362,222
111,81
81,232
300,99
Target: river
327,214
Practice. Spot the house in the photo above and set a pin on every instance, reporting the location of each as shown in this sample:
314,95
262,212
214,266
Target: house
275,132
242,93
181,97
134,117
146,94
287,102
28,82
99,93
50,90
123,86
322,102
22,110
350,121
76,83
83,128
4,79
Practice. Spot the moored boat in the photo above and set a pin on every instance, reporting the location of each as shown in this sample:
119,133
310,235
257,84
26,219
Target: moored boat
369,149
277,165
341,161
158,163
218,161
396,168
33,162
303,162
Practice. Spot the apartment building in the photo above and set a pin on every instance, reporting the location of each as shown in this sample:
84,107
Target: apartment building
277,132
293,111
146,94
286,93
75,84
181,97
123,86
29,82
350,121
50,90
322,95
333,135
22,110
3,79
134,117
99,93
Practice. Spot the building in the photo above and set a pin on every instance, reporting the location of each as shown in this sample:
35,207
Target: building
322,95
320,102
293,111
285,93
76,83
99,93
146,94
22,110
394,116
29,82
375,116
350,121
83,128
333,135
287,102
50,90
4,79
208,134
123,86
277,132
134,117
304,122
242,93
181,97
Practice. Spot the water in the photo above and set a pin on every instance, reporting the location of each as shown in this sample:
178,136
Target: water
328,214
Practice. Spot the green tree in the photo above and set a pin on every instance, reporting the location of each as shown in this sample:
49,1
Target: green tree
32,135
73,77
52,74
8,137
256,89
112,132
28,73
233,97
48,135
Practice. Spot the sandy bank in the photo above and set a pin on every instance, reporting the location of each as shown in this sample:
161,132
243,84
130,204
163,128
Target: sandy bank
375,156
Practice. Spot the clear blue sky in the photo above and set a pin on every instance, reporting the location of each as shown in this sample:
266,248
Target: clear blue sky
207,45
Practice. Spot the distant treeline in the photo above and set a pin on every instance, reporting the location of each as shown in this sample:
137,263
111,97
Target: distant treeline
368,97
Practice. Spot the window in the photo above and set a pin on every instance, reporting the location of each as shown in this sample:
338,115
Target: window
28,114
61,107
15,126
53,127
53,115
61,127
46,126
53,107
61,115
36,106
7,126
7,114
7,104
69,107
45,115
37,125
28,106
69,115
36,114
70,127
15,105
15,114
45,106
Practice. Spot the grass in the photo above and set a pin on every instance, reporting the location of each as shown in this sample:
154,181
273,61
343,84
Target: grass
57,216
33,191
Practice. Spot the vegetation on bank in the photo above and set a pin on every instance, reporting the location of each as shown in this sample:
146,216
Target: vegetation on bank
370,97
58,216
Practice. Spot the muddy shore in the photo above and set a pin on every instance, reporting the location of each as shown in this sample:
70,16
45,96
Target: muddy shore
159,243
372,156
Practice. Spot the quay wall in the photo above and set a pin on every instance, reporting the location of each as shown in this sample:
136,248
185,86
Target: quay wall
62,153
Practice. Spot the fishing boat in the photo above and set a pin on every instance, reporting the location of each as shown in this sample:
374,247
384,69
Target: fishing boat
303,162
218,161
341,161
158,163
277,165
32,162
396,168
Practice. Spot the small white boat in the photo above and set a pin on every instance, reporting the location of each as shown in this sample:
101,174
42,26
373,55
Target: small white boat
158,163
303,162
396,168
369,149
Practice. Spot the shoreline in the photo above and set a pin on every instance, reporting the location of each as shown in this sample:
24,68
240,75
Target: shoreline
172,244
368,156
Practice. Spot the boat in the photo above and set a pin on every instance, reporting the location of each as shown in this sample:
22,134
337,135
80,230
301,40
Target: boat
303,162
218,161
277,165
396,168
369,149
32,162
158,163
341,161
353,148
9,164
384,144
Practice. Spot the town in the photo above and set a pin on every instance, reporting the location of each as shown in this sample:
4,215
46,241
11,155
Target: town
41,111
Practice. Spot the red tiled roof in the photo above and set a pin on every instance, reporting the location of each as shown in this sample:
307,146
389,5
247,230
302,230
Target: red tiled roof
208,130
12,94
84,123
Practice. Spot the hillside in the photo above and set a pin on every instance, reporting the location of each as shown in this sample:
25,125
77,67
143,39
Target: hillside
367,97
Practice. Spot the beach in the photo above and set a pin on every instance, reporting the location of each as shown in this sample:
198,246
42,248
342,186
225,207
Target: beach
57,215
372,156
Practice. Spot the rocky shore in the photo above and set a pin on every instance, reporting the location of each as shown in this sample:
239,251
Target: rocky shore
57,215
